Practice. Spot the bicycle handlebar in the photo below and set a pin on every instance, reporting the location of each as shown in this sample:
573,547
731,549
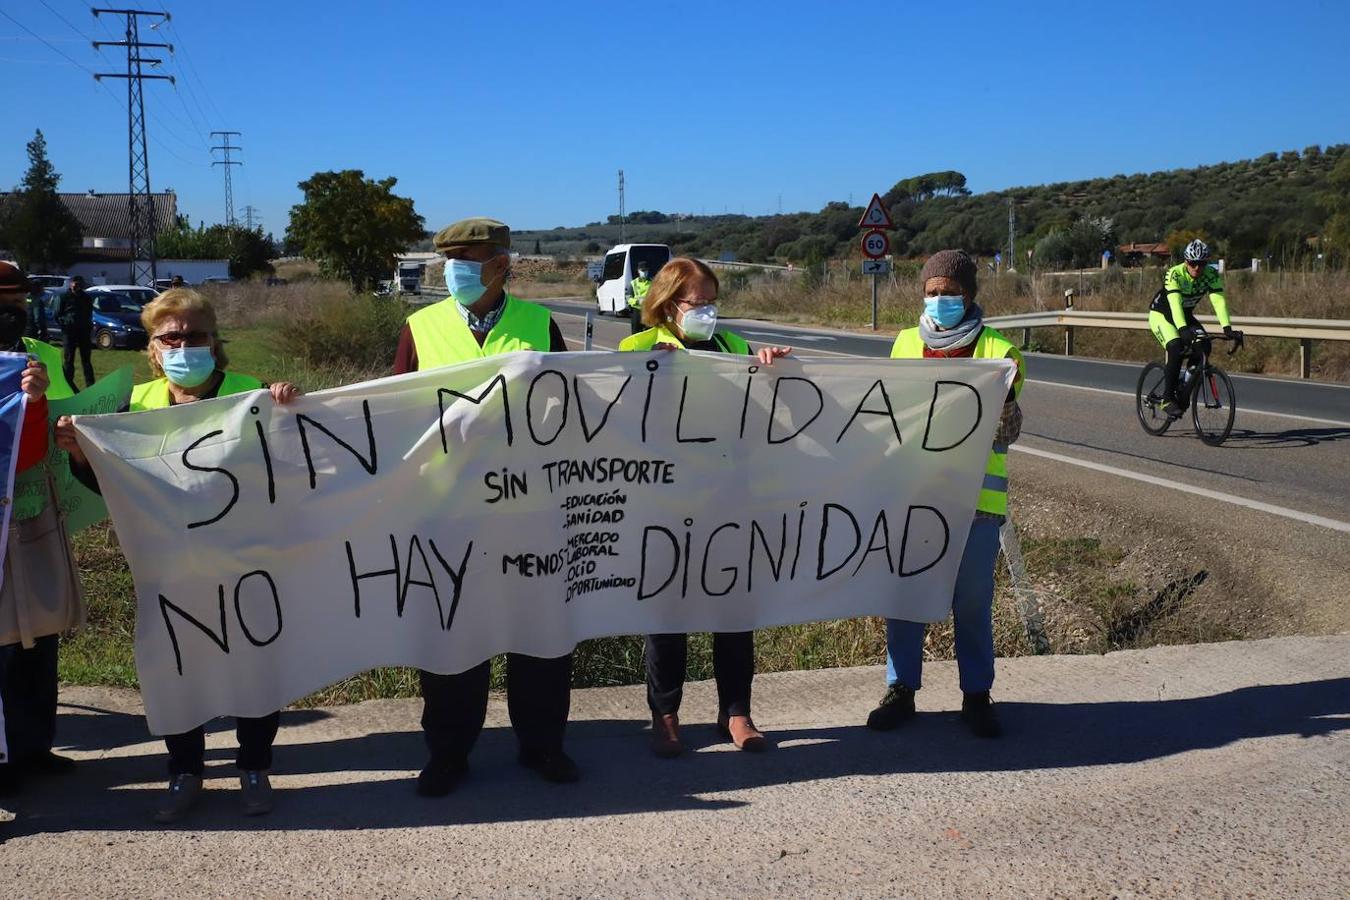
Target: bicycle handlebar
1235,338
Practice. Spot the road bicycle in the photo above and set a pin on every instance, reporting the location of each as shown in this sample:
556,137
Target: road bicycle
1204,387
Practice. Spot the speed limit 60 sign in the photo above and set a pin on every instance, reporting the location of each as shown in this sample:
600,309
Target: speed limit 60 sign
875,244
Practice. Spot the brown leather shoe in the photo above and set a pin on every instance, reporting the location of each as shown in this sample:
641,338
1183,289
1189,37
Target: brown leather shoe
743,733
666,736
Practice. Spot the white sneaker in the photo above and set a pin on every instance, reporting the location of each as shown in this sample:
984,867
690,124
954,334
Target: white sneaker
257,793
180,796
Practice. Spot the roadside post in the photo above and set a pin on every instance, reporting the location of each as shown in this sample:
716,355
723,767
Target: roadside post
876,244
590,329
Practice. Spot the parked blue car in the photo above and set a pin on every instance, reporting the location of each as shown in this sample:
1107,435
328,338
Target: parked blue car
117,320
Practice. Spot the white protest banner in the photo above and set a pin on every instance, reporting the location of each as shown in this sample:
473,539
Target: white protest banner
528,501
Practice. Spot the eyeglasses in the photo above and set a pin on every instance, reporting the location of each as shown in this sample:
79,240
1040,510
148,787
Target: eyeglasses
179,338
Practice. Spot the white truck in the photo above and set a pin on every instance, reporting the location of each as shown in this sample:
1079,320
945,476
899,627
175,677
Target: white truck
621,265
408,276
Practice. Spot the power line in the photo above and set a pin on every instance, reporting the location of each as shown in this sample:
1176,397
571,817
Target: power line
192,70
57,40
187,83
39,62
55,48
53,11
191,118
191,128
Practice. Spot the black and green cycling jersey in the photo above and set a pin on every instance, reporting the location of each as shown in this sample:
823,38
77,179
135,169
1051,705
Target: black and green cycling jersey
1181,294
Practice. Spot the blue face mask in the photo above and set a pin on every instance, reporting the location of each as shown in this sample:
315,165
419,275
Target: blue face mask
945,311
187,366
464,278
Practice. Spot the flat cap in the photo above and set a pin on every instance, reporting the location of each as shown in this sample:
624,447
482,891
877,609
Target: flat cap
12,278
477,230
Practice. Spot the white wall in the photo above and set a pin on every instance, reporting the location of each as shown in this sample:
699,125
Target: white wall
192,270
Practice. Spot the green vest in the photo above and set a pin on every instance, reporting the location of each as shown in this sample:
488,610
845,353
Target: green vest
30,486
443,338
646,340
640,288
989,345
155,394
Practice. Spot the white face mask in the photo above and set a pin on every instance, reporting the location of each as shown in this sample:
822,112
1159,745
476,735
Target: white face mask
698,323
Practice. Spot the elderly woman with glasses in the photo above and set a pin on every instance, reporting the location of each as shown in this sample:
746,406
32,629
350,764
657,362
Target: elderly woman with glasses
680,310
188,357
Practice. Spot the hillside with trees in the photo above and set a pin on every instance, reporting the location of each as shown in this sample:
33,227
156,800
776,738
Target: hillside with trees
1286,207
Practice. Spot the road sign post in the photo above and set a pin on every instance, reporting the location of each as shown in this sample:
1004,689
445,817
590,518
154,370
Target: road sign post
874,302
875,245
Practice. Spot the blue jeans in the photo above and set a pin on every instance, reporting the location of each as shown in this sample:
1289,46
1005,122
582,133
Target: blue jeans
972,613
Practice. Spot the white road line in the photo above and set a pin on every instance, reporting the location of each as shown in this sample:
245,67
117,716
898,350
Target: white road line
1234,499
1241,408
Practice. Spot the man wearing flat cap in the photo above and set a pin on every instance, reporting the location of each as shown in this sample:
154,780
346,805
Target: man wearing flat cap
477,320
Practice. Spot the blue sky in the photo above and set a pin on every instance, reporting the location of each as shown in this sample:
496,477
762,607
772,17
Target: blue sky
526,110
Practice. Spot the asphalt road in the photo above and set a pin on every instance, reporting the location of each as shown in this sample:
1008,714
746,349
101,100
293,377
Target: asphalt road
1290,446
1214,770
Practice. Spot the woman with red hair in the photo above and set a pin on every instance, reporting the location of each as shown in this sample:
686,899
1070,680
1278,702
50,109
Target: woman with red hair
680,310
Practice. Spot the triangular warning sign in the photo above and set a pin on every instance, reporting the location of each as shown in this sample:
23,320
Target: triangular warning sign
876,216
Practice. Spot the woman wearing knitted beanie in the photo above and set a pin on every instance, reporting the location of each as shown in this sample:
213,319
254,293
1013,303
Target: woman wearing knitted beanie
952,325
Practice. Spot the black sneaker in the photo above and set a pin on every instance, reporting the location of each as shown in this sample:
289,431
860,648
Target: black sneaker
896,708
556,767
441,775
977,711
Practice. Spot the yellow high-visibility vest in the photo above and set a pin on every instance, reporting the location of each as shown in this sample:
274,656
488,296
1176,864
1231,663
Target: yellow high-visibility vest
989,345
443,337
155,394
646,340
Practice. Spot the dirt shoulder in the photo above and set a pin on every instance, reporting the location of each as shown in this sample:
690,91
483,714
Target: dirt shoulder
1191,568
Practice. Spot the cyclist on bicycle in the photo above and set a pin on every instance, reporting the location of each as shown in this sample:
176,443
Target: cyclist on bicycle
1171,315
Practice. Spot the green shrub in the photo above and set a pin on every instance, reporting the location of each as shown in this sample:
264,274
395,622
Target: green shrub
352,332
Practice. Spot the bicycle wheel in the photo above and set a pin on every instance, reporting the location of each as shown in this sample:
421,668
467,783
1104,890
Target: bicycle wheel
1213,406
1148,397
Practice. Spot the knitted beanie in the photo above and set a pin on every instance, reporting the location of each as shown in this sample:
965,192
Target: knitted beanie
952,264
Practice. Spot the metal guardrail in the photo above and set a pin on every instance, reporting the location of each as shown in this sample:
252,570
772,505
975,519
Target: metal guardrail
734,264
1305,331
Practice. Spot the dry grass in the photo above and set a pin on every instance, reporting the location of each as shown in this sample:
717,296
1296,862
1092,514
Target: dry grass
844,300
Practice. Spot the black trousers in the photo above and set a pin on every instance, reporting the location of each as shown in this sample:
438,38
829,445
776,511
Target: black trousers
538,698
733,669
187,751
635,317
83,343
28,692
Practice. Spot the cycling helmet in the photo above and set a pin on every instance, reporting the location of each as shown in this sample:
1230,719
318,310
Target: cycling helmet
1197,251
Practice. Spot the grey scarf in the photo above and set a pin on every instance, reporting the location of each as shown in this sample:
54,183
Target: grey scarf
963,334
